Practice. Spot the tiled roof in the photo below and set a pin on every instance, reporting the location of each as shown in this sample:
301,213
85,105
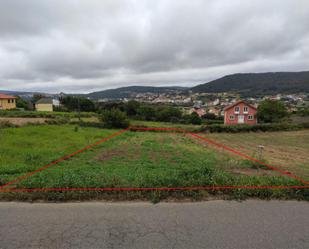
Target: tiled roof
4,96
238,102
45,101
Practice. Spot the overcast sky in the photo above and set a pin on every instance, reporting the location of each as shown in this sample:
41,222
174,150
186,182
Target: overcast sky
88,45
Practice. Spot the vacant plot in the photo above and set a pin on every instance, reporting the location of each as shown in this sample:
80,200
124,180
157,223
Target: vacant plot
132,159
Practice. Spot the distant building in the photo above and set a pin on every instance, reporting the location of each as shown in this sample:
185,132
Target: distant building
216,102
240,112
198,110
44,105
214,110
7,102
56,102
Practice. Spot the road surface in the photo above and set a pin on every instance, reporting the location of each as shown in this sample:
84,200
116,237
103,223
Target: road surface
213,224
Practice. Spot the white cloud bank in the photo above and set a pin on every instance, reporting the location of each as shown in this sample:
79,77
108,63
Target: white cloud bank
82,46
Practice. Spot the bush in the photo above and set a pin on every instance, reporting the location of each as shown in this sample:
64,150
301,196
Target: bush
58,121
146,112
114,119
253,128
132,108
210,116
72,103
6,124
195,119
166,114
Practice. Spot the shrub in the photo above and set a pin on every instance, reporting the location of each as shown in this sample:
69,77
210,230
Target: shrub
253,128
72,103
132,108
6,124
114,119
166,114
195,119
146,112
58,121
210,116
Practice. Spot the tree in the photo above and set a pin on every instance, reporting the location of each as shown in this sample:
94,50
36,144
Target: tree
21,103
166,114
270,111
195,119
114,119
37,96
146,112
132,107
76,103
109,105
210,116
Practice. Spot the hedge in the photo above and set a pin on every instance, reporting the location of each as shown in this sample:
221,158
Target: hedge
253,128
36,114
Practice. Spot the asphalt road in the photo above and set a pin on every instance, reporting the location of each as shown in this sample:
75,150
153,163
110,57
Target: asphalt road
213,224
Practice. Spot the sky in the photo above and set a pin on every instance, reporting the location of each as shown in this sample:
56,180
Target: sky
82,46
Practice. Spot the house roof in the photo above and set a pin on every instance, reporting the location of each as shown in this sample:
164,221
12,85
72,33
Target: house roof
237,103
45,101
4,96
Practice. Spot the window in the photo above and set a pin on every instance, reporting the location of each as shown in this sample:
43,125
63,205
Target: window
246,109
237,109
9,101
232,117
250,117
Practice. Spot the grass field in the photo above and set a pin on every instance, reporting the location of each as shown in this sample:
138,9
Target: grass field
164,124
25,149
135,159
288,150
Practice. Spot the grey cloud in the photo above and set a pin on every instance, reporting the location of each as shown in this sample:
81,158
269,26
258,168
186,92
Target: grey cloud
92,45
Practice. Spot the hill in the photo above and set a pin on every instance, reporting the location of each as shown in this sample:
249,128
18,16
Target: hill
15,92
258,83
127,92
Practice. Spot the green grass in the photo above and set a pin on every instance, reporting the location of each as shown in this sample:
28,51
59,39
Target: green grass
189,127
40,114
133,159
25,149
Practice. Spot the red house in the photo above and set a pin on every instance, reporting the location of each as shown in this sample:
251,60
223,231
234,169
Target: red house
240,112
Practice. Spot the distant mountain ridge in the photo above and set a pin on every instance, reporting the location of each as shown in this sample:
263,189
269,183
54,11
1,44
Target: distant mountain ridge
247,84
15,92
127,92
258,83
26,95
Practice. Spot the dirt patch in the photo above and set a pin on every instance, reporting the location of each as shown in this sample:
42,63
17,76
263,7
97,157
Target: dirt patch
24,121
156,156
252,172
108,155
124,151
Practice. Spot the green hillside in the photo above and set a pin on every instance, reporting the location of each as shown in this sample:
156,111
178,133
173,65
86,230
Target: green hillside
258,83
